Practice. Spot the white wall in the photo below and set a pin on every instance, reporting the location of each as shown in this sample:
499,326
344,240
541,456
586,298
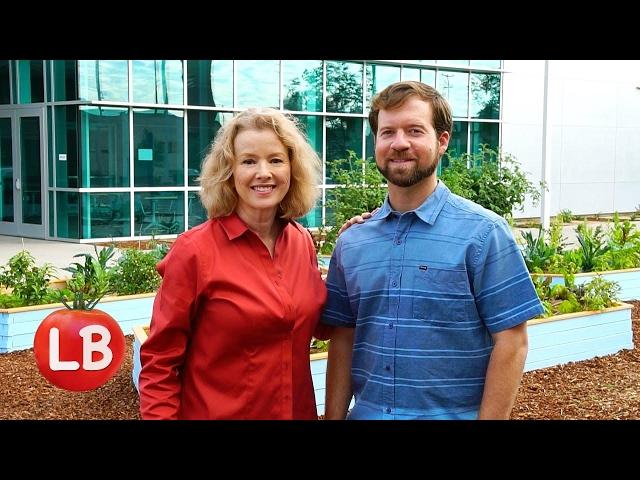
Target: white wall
594,118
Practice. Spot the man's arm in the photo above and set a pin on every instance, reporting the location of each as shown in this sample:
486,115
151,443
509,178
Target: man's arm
339,391
504,373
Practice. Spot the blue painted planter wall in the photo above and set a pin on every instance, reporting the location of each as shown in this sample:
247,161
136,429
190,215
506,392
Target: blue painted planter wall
18,325
578,336
629,280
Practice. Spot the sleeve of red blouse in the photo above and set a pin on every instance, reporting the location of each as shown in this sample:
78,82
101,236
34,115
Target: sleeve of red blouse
162,354
322,331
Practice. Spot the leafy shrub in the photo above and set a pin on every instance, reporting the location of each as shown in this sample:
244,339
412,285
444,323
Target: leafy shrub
29,284
490,178
136,272
360,189
566,215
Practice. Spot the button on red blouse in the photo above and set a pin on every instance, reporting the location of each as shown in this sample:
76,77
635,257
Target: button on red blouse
231,326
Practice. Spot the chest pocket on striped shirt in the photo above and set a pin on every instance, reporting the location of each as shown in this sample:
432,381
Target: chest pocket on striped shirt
441,294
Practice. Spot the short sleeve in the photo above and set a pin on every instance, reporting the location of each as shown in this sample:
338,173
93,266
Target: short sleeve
337,311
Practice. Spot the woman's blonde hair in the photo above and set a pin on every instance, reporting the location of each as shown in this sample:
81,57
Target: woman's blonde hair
218,193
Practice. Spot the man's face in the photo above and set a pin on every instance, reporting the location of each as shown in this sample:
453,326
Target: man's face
407,145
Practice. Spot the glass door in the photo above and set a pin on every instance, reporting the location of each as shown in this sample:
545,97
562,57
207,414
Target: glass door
22,173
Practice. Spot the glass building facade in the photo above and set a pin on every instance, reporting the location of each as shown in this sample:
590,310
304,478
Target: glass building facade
111,149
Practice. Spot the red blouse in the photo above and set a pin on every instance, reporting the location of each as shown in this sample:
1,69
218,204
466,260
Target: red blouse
231,326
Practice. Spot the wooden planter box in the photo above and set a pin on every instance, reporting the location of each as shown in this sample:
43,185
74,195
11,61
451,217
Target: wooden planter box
18,325
318,366
628,279
578,336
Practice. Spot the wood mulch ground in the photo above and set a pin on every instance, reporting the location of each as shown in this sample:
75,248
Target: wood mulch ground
602,388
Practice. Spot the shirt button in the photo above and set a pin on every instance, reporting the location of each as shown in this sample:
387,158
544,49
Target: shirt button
398,242
388,410
394,283
387,367
279,275
391,325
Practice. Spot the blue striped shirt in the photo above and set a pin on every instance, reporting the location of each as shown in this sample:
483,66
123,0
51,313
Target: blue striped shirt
425,289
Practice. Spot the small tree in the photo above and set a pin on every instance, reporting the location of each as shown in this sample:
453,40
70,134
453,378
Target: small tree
492,179
361,188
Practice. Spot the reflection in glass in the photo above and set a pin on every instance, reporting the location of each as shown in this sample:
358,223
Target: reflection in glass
68,213
65,79
454,86
30,170
302,85
103,80
157,81
379,77
484,133
344,87
258,83
5,88
486,63
67,159
311,125
6,171
105,146
457,144
50,145
314,217
197,213
106,215
31,79
52,226
485,95
203,126
158,213
158,136
343,134
210,83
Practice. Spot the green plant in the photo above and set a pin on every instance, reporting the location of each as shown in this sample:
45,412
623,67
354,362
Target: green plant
565,215
592,245
135,272
360,188
318,346
29,283
597,294
491,178
90,280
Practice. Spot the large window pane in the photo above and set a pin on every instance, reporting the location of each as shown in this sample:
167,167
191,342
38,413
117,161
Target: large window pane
314,217
379,77
5,82
31,78
203,126
456,63
423,75
302,85
343,134
258,83
454,86
65,73
485,95
67,159
105,146
106,215
344,87
197,213
103,80
312,126
210,83
159,213
157,81
68,211
484,133
6,171
457,144
158,136
486,63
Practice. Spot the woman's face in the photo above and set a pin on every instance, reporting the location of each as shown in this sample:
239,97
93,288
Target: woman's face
261,170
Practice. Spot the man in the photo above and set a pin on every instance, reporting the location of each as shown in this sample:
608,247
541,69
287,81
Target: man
431,295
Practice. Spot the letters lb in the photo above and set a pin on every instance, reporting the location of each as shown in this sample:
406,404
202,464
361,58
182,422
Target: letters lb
79,350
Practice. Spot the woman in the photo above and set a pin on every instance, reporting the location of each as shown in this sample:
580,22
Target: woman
241,294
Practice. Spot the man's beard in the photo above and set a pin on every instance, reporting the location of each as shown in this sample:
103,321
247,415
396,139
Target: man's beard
409,177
